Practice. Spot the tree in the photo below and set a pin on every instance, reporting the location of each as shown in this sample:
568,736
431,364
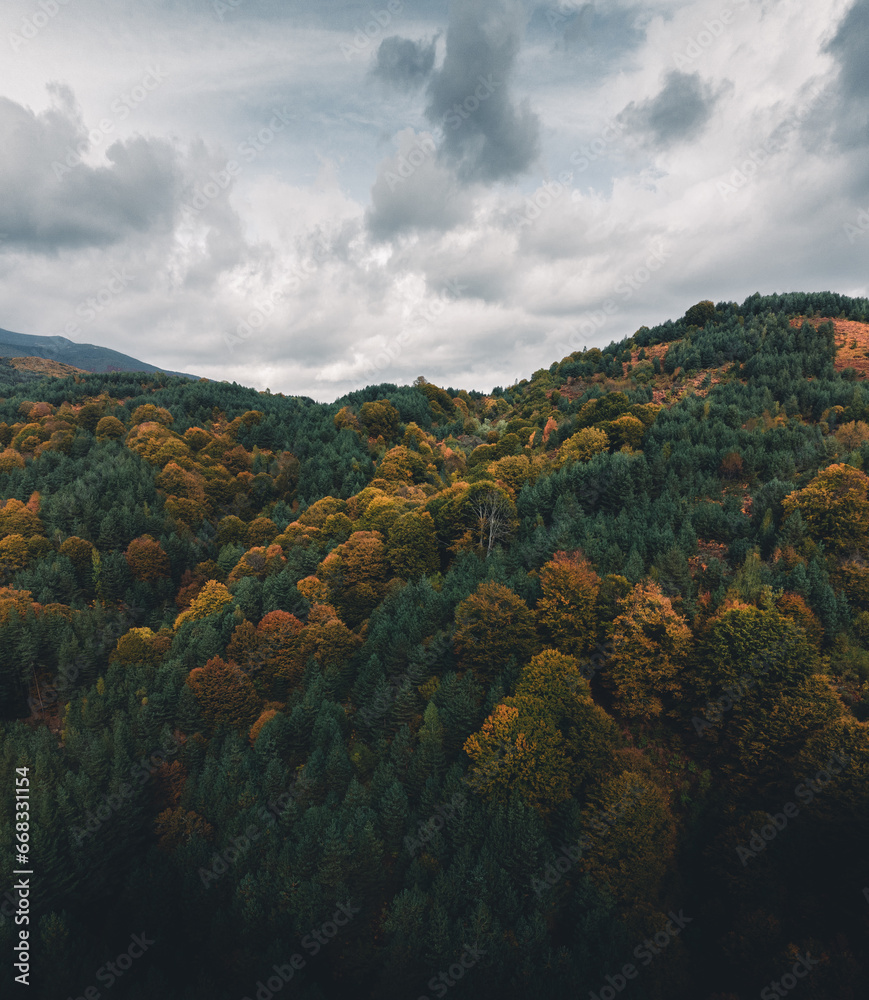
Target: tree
17,518
566,612
521,753
380,419
327,638
760,644
700,314
626,431
212,598
493,624
853,434
495,516
110,429
582,446
278,647
412,546
834,507
226,696
13,554
355,573
630,837
141,645
650,645
147,559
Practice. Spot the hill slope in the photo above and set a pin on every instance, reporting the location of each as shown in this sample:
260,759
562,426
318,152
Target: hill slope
88,357
503,687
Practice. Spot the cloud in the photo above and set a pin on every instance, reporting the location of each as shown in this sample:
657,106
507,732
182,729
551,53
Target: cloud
404,63
848,46
413,191
53,199
680,112
487,136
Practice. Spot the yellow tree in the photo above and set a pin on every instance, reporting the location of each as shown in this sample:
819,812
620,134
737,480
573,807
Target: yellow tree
566,612
834,507
582,446
522,753
212,598
326,638
650,645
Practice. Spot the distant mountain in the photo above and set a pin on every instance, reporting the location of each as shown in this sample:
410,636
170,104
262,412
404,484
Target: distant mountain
88,357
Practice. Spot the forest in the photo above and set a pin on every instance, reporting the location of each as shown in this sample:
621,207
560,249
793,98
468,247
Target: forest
559,691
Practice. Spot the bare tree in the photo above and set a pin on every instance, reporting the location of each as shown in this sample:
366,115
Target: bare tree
494,519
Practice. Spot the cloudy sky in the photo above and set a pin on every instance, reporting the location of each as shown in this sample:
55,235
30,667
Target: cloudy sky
314,195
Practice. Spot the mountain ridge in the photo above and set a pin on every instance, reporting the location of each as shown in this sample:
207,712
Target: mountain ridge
89,357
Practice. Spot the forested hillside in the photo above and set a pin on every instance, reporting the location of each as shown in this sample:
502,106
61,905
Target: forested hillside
556,691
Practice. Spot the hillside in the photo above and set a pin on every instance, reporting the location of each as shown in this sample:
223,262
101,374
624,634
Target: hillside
87,357
560,686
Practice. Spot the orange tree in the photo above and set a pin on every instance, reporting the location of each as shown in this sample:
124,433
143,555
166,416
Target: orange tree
226,696
566,612
650,645
146,559
355,573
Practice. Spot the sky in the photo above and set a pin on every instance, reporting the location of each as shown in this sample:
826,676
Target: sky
312,196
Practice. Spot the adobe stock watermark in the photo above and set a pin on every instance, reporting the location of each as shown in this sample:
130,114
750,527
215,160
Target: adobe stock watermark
222,861
544,197
443,814
570,9
715,710
428,313
783,986
591,323
261,313
745,172
380,704
600,823
805,791
222,7
88,309
441,983
371,30
122,107
426,145
859,227
31,26
107,975
248,150
312,943
700,43
140,773
583,157
647,952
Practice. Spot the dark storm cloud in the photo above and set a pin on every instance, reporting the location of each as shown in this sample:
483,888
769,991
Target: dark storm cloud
849,47
52,200
487,136
404,63
678,113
